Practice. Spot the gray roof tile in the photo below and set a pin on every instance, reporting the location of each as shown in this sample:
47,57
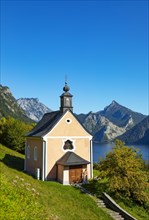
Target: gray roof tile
45,124
70,158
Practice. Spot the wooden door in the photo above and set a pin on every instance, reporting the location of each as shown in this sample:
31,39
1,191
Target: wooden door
75,174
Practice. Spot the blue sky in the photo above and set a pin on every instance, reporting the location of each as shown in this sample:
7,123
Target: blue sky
102,46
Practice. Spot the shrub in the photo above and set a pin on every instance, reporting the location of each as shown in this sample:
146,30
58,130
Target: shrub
12,133
125,171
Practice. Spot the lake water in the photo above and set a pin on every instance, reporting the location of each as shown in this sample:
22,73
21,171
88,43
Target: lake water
100,150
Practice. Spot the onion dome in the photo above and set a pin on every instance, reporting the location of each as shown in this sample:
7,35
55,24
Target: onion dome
66,88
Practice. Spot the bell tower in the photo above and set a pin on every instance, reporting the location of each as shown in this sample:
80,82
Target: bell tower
66,99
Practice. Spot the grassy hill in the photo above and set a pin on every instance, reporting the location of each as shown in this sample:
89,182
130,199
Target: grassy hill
25,198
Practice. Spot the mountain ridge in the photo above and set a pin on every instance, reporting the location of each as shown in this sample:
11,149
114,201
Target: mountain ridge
104,125
108,124
33,107
9,106
121,114
139,134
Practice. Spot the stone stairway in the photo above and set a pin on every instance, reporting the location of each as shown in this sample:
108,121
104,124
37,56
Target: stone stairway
113,214
101,204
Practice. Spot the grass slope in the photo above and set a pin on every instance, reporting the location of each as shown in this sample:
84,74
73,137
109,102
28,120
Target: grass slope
137,211
24,198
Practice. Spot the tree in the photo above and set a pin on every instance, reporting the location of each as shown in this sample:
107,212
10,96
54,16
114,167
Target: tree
12,133
124,169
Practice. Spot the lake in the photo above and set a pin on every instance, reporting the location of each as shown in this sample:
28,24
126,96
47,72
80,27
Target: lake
100,150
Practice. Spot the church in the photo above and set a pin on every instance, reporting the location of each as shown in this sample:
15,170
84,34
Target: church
59,147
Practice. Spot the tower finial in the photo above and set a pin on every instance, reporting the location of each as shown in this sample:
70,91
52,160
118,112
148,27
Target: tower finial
66,87
66,78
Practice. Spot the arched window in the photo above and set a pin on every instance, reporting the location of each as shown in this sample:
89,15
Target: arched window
28,152
35,153
68,145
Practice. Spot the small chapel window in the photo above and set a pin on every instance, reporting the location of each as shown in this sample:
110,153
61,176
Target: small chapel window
68,145
28,152
68,121
35,153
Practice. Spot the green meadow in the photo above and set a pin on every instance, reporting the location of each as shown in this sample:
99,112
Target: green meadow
25,198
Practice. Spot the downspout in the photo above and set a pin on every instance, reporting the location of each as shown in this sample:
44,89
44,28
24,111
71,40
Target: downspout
91,158
43,160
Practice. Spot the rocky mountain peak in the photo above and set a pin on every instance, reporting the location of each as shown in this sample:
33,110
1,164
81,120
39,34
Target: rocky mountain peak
5,89
33,107
9,105
113,105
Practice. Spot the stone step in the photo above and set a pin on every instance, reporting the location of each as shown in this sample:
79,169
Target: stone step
101,204
116,217
114,214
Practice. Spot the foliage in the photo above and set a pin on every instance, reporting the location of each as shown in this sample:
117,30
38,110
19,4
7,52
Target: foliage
139,212
97,186
23,197
125,172
96,173
12,133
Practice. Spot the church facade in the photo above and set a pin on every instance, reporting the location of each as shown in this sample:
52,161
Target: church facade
59,146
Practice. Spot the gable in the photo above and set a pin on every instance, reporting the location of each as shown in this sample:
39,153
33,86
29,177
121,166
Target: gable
68,125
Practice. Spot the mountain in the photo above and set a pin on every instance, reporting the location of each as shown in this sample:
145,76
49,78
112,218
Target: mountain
139,134
10,107
120,115
105,125
110,123
33,108
100,127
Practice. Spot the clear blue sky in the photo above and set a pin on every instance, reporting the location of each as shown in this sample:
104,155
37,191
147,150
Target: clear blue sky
101,45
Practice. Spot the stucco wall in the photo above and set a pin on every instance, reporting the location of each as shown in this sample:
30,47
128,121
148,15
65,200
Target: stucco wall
55,152
32,164
64,129
55,142
60,169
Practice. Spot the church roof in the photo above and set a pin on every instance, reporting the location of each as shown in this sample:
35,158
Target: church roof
47,122
70,159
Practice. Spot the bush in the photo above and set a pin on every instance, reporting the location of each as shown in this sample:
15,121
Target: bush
12,133
125,171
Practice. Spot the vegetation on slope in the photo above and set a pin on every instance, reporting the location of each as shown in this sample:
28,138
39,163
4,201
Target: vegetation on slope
25,198
124,175
12,132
